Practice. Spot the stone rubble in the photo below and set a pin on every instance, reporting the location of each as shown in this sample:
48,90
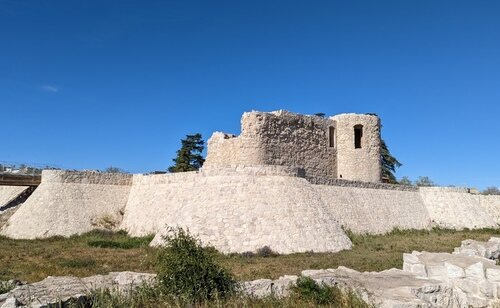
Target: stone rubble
488,250
53,291
468,279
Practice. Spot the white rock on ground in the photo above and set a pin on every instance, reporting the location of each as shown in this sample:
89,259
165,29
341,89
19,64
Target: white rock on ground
54,290
427,280
489,249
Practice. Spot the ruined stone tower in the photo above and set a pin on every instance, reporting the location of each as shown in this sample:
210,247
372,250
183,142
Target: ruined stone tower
345,146
358,147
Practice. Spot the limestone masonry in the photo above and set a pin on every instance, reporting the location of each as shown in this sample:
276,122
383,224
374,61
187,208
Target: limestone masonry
288,181
345,146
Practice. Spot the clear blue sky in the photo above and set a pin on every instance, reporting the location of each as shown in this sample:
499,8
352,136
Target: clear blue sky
89,84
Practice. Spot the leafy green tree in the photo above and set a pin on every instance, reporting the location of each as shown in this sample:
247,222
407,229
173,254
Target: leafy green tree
424,181
492,190
112,169
389,163
405,181
189,156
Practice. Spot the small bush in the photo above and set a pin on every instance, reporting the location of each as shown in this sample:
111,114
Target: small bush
188,270
266,252
307,290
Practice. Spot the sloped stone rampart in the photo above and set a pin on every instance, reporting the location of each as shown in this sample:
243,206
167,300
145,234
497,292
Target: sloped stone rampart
242,208
8,196
456,208
67,203
491,204
9,193
365,210
235,212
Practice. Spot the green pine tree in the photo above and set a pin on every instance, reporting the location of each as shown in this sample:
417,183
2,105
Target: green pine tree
389,163
189,156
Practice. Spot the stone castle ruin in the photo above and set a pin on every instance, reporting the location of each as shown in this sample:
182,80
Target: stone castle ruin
345,146
288,181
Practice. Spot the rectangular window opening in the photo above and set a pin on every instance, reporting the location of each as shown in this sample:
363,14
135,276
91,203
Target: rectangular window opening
331,136
358,135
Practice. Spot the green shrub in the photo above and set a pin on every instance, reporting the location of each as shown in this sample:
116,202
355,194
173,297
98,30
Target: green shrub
307,290
188,270
266,252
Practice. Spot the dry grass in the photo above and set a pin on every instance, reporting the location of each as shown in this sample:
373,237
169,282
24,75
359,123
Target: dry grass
33,260
370,253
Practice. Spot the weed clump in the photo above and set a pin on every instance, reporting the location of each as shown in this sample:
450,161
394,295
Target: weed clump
307,290
190,271
6,286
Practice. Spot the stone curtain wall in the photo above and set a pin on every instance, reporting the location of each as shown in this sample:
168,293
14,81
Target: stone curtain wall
491,204
68,203
365,210
235,211
455,208
9,193
85,177
239,208
361,164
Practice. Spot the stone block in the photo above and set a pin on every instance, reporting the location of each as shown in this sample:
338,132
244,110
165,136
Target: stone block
493,274
467,285
437,272
419,270
454,271
475,271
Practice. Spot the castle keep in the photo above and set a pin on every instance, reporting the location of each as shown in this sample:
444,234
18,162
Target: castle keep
288,181
345,146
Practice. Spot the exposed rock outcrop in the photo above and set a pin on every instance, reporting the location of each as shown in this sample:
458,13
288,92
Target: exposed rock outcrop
53,291
427,280
488,250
